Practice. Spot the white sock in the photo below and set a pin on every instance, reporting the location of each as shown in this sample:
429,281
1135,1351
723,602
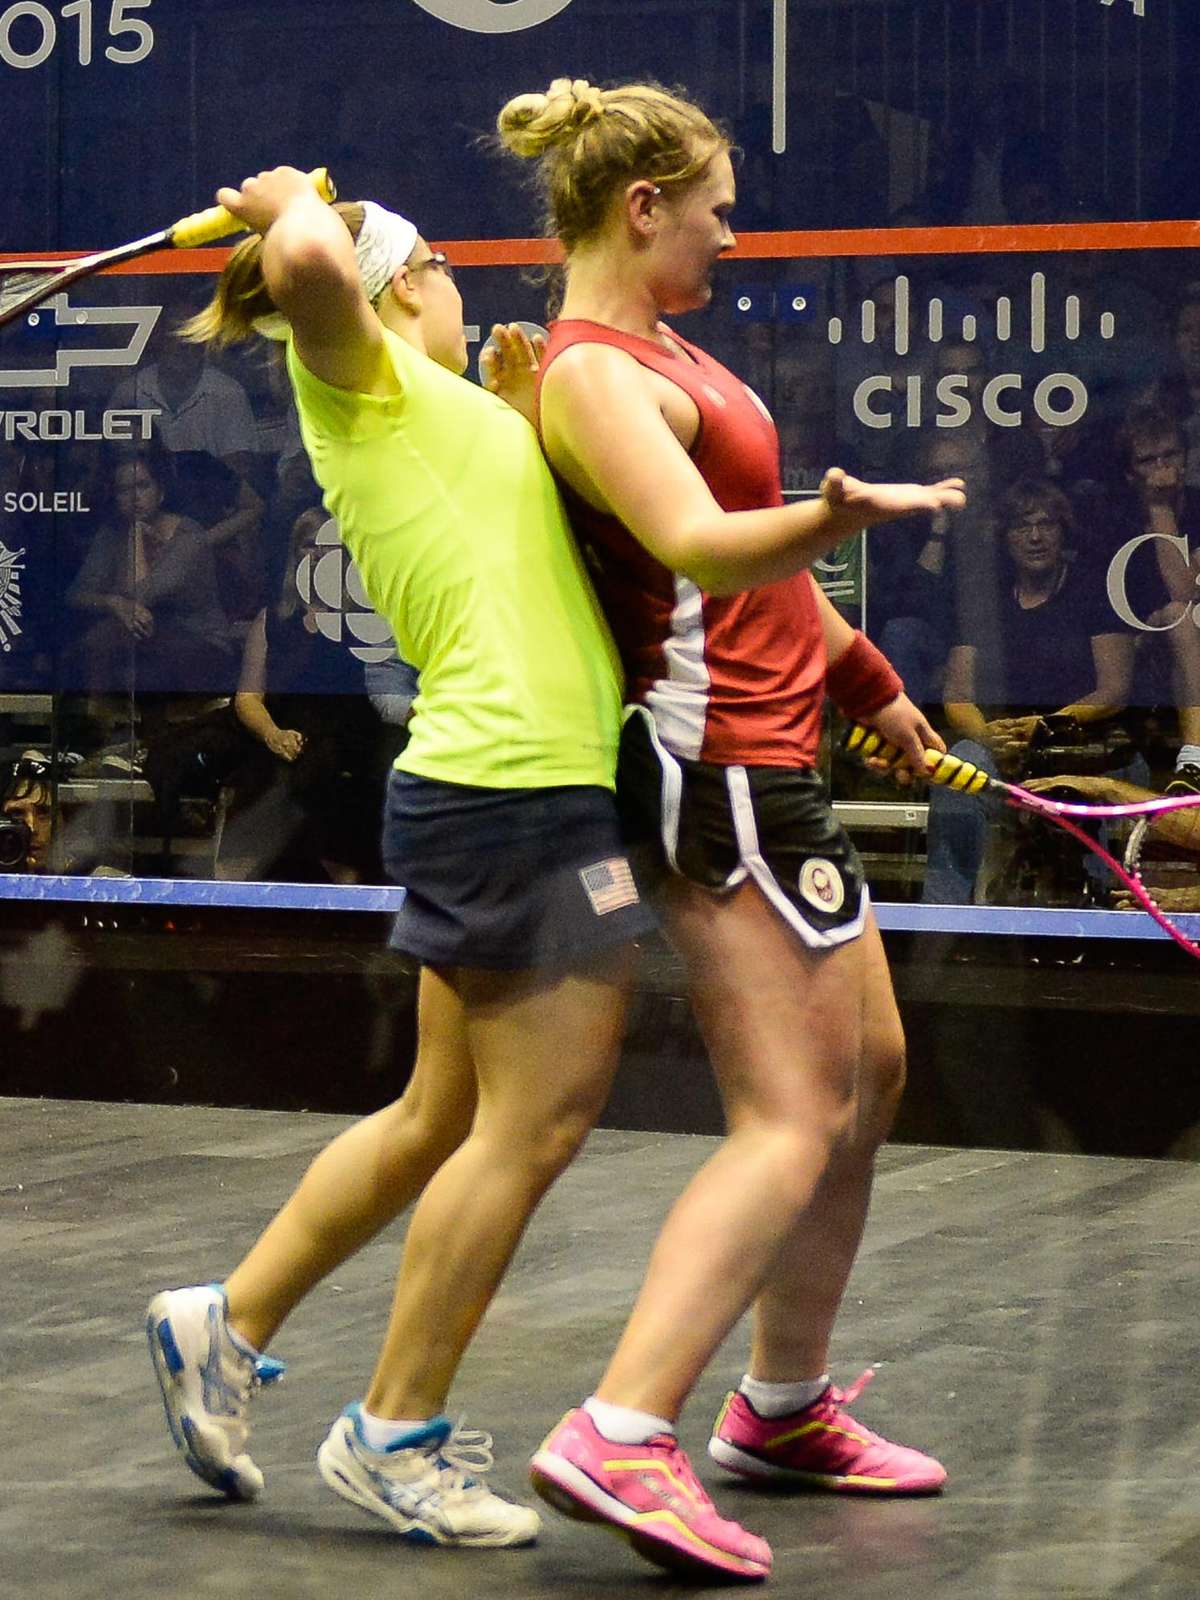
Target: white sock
781,1399
1189,756
380,1432
623,1425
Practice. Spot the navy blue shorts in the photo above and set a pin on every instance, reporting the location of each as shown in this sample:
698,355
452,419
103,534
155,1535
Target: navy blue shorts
508,878
719,826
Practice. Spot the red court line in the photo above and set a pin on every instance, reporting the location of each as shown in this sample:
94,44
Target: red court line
1041,237
1046,238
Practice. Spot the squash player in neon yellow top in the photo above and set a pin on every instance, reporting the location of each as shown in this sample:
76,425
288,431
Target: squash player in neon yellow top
500,825
444,501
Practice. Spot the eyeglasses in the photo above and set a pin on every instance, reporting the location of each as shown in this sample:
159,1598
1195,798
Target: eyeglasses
1160,458
1034,524
436,259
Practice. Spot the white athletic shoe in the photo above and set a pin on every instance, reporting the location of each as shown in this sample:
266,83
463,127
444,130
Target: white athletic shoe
207,1376
426,1484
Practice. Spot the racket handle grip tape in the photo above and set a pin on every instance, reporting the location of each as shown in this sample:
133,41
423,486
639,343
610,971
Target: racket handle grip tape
203,227
947,770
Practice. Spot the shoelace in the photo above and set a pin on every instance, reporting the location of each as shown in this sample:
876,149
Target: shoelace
682,1469
466,1452
257,1374
847,1397
835,1400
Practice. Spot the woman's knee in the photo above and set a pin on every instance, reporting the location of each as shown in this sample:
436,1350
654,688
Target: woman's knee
419,1123
541,1147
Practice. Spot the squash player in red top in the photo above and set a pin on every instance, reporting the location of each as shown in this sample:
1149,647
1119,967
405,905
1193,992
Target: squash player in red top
670,467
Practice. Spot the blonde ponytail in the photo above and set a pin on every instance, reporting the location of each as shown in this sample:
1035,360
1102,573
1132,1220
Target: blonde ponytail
241,295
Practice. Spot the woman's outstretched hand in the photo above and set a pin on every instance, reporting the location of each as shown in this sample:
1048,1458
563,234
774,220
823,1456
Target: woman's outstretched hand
862,505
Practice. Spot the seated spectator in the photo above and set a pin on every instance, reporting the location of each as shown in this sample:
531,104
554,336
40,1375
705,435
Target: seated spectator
203,412
310,758
910,578
1152,584
994,162
199,407
392,688
1053,648
920,573
1176,391
26,812
148,588
211,494
1176,830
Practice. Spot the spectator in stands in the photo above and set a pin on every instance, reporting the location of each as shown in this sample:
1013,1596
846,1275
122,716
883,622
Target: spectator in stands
920,574
1176,830
26,808
1176,391
1054,647
199,408
148,588
211,494
312,754
1153,584
993,162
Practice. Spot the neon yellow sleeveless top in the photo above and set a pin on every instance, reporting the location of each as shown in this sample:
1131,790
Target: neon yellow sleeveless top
447,506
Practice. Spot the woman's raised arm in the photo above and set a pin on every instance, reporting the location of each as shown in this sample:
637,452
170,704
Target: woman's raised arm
312,274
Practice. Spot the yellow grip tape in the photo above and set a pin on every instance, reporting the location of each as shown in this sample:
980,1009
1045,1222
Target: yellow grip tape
203,227
947,770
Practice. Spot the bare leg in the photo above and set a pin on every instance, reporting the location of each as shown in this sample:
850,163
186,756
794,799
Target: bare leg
365,1178
545,1050
784,1027
795,1313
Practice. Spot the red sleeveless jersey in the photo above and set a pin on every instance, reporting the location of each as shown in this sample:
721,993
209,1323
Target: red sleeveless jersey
735,680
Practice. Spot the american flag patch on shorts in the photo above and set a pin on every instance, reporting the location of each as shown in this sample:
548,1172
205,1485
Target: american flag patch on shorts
609,885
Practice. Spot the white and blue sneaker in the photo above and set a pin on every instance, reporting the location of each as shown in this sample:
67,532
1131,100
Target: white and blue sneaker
207,1375
426,1484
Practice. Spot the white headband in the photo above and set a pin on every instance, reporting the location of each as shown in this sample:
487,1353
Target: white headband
385,242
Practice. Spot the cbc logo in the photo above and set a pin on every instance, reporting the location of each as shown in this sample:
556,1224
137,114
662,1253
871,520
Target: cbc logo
330,582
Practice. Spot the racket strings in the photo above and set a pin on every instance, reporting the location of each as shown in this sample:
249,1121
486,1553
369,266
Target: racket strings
21,283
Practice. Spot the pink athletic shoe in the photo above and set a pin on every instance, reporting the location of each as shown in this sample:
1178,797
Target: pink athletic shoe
822,1446
648,1493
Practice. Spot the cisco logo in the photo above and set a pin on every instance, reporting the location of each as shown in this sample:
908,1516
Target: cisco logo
330,583
1059,399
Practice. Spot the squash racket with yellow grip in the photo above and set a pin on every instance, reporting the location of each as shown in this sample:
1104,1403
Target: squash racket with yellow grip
953,773
24,285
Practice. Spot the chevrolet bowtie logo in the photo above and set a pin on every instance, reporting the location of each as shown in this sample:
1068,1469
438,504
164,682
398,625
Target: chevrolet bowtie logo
142,319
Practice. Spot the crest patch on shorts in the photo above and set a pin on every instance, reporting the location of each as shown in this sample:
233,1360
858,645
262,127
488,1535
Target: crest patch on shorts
821,885
609,885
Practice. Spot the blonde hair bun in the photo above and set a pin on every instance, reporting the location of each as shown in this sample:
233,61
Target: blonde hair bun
589,143
531,123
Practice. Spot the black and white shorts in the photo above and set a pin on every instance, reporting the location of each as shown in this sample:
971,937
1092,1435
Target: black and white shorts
721,826
508,878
